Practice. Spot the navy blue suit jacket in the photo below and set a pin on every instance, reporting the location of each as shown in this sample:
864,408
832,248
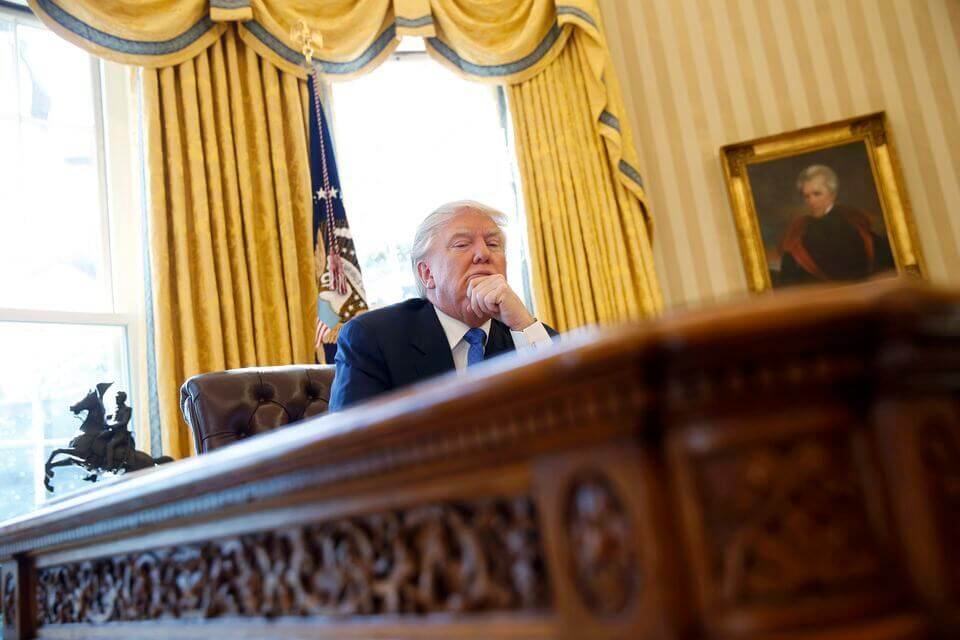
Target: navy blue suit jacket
392,347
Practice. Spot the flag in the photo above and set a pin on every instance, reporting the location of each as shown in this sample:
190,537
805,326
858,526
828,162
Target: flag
341,295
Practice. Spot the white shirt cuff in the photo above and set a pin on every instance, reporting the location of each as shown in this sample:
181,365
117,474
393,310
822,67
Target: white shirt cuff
533,336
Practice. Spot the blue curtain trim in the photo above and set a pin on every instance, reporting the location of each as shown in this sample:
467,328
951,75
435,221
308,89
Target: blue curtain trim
123,45
491,71
153,395
413,23
230,4
610,120
580,13
325,66
631,173
382,42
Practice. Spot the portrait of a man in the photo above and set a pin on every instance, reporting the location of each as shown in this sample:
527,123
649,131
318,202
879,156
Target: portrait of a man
831,241
820,217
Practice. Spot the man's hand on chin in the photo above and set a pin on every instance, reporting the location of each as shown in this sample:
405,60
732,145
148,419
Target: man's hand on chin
491,296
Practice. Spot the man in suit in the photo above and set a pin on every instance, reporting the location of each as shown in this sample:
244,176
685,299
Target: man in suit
466,313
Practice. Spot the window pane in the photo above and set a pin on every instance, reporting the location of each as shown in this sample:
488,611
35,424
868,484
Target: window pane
47,368
9,161
442,139
13,416
51,252
55,81
51,366
8,73
58,422
17,492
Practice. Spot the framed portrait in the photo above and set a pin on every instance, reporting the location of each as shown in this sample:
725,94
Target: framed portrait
823,204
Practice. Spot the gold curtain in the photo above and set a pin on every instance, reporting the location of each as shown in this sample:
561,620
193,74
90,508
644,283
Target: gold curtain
230,224
589,239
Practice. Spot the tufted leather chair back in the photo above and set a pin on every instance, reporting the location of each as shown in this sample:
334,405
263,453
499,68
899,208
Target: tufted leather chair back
227,406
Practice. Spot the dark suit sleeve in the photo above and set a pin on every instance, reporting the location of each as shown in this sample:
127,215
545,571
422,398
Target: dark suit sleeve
361,370
550,331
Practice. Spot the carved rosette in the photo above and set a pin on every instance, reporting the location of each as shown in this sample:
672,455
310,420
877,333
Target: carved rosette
787,520
9,598
603,565
473,556
940,452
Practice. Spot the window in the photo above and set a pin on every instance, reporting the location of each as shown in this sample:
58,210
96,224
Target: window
443,138
71,284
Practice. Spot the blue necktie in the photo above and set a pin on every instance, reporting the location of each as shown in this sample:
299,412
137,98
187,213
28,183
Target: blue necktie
475,338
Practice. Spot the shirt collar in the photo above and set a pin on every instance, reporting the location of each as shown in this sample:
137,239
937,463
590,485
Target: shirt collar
455,329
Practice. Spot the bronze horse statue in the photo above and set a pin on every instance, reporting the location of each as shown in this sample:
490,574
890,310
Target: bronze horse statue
101,447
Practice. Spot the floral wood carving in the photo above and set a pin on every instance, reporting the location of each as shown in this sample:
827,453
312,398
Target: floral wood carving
9,599
940,451
787,520
604,568
452,557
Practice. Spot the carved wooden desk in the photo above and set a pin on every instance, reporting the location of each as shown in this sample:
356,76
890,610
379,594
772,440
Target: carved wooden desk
788,467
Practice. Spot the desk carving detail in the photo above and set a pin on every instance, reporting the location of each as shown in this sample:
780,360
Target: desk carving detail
605,571
9,598
787,520
450,557
940,452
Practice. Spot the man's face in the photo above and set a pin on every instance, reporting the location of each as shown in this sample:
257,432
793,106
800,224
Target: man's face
469,245
817,196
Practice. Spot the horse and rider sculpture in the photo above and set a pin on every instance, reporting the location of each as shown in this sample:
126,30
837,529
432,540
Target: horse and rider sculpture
101,446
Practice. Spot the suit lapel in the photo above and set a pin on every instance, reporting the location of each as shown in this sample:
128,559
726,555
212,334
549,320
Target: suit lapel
430,347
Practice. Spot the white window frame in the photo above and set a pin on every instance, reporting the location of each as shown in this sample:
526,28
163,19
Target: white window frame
119,160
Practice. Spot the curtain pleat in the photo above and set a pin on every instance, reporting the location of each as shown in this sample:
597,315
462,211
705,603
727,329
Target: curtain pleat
592,259
230,220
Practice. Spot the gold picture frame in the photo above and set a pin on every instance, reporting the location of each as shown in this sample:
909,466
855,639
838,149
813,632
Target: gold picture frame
776,229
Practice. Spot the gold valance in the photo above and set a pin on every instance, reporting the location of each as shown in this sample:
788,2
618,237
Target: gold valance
503,41
496,41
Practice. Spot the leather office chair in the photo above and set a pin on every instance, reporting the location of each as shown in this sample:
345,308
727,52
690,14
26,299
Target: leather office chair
227,406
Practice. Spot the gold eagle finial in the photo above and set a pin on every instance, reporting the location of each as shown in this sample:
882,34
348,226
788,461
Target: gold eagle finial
308,41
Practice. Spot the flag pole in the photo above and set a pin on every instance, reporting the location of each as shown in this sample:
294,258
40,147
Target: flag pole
306,38
340,295
309,41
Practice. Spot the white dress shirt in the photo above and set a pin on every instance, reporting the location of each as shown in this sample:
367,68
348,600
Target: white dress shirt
534,336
